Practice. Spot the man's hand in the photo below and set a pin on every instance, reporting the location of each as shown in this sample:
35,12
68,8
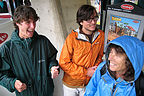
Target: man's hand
91,70
54,71
20,86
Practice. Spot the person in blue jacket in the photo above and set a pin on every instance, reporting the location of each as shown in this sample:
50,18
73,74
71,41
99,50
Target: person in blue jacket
116,75
28,60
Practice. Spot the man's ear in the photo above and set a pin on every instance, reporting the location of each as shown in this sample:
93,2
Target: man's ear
81,23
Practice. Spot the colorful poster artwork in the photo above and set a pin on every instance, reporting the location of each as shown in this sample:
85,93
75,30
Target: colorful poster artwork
122,26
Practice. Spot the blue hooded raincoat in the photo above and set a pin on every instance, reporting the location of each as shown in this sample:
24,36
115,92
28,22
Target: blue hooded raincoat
103,85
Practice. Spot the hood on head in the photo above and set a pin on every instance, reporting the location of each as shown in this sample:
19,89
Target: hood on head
134,48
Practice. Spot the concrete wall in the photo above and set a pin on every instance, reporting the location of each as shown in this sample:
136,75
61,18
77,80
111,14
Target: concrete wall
69,9
57,19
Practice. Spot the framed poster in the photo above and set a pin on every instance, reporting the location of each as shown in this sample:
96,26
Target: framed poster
124,18
120,23
120,26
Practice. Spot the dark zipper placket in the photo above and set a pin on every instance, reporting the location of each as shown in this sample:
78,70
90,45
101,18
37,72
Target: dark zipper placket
29,53
91,50
91,54
114,89
31,65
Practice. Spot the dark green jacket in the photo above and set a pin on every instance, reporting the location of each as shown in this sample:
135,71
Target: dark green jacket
28,60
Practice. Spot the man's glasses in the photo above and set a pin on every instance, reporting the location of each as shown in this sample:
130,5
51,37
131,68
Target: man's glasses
91,19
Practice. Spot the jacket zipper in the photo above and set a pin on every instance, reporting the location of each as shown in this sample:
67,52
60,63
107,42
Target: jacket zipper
113,89
31,65
91,54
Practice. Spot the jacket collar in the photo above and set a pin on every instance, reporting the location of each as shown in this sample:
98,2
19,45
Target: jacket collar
109,79
84,37
15,37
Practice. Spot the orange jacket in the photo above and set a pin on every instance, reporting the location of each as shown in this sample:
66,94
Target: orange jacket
78,54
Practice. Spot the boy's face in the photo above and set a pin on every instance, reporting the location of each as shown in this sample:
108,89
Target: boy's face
26,28
90,24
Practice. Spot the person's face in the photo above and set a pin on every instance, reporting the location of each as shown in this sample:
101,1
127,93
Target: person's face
90,24
117,61
26,28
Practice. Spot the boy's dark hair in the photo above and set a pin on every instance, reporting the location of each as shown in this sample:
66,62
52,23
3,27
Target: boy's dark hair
24,13
84,13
